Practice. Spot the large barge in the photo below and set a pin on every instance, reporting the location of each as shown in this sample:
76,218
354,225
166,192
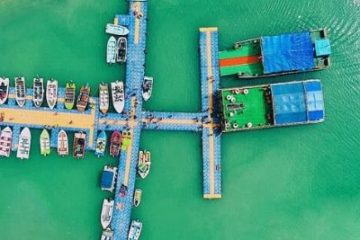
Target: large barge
271,105
277,55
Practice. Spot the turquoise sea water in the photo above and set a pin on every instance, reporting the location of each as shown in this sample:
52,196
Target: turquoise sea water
289,184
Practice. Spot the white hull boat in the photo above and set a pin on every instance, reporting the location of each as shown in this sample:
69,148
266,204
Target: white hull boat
23,150
106,213
118,95
5,142
38,91
4,90
62,143
51,93
116,29
20,91
104,98
107,235
135,230
111,50
147,88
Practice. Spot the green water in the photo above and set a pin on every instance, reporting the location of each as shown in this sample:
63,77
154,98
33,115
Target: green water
280,184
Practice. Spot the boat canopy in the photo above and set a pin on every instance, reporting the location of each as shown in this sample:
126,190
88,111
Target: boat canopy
106,179
287,52
298,102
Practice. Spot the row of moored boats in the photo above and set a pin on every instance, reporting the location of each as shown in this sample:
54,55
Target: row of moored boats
116,50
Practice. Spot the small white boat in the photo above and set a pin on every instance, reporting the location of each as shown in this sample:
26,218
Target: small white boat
20,91
104,97
135,230
144,163
5,142
106,213
62,143
118,95
116,29
4,90
111,50
23,150
121,50
38,91
147,88
137,197
51,93
107,235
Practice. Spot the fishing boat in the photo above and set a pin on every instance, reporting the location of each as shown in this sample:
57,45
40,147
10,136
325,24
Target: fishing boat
38,91
137,197
45,143
116,29
271,105
118,95
277,55
135,230
62,143
111,50
70,91
4,90
51,93
147,88
144,163
5,142
100,144
104,97
121,50
108,178
107,235
23,149
115,144
106,213
79,145
83,98
20,91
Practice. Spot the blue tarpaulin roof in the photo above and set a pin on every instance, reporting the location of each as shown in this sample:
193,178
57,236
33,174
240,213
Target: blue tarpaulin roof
287,52
106,179
297,102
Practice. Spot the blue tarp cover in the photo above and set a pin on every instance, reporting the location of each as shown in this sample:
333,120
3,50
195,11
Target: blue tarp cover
106,179
298,102
287,52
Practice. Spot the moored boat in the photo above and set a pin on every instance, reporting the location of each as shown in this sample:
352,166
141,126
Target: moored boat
111,50
38,91
147,88
62,143
107,235
70,92
118,96
144,163
116,29
104,97
100,144
121,50
51,93
20,91
83,98
277,55
137,197
45,143
5,142
108,178
135,230
79,145
23,149
271,105
115,144
106,213
4,90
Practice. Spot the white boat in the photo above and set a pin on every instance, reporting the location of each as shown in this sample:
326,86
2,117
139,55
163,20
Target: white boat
147,87
20,91
62,143
135,230
38,91
121,50
23,149
107,235
106,213
51,93
137,197
5,142
118,95
4,90
116,29
104,97
108,178
111,50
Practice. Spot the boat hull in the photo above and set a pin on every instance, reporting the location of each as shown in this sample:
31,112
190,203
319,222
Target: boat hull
116,29
62,143
118,96
45,143
4,90
111,50
106,213
5,142
23,150
51,93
